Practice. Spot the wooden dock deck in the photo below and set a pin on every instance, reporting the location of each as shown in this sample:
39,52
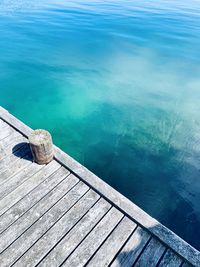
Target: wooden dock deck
61,214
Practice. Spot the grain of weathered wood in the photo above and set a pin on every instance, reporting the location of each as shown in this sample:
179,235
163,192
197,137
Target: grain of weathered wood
14,168
12,140
6,151
2,124
5,128
27,239
153,252
63,226
10,144
92,242
6,131
170,259
113,244
75,236
32,179
18,179
34,214
41,146
132,249
10,159
32,198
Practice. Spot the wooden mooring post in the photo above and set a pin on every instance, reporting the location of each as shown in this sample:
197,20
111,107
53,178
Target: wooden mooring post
41,146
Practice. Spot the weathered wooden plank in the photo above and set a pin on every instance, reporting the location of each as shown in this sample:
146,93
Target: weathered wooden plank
113,244
16,137
151,254
24,188
132,249
92,242
33,215
40,192
9,160
30,199
76,235
18,179
170,259
2,124
67,204
6,130
36,253
14,168
11,143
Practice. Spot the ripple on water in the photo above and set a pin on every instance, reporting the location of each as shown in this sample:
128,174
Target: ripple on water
117,84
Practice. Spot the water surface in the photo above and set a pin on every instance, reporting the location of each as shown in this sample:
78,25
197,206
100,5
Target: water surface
117,83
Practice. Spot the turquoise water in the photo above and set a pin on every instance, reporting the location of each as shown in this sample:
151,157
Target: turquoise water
117,83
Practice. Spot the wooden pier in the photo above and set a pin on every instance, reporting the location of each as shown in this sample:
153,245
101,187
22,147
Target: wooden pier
61,214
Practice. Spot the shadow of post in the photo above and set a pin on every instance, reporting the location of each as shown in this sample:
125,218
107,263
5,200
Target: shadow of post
22,150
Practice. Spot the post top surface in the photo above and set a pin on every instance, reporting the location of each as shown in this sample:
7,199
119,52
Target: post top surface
40,136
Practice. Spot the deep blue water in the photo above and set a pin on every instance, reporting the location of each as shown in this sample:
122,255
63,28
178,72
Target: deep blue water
117,83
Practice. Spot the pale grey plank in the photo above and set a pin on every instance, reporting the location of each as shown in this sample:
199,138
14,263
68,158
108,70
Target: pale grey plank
15,138
2,124
75,236
49,240
113,244
92,242
32,179
5,131
14,168
31,216
6,162
170,259
151,254
29,200
129,253
18,179
25,241
11,143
